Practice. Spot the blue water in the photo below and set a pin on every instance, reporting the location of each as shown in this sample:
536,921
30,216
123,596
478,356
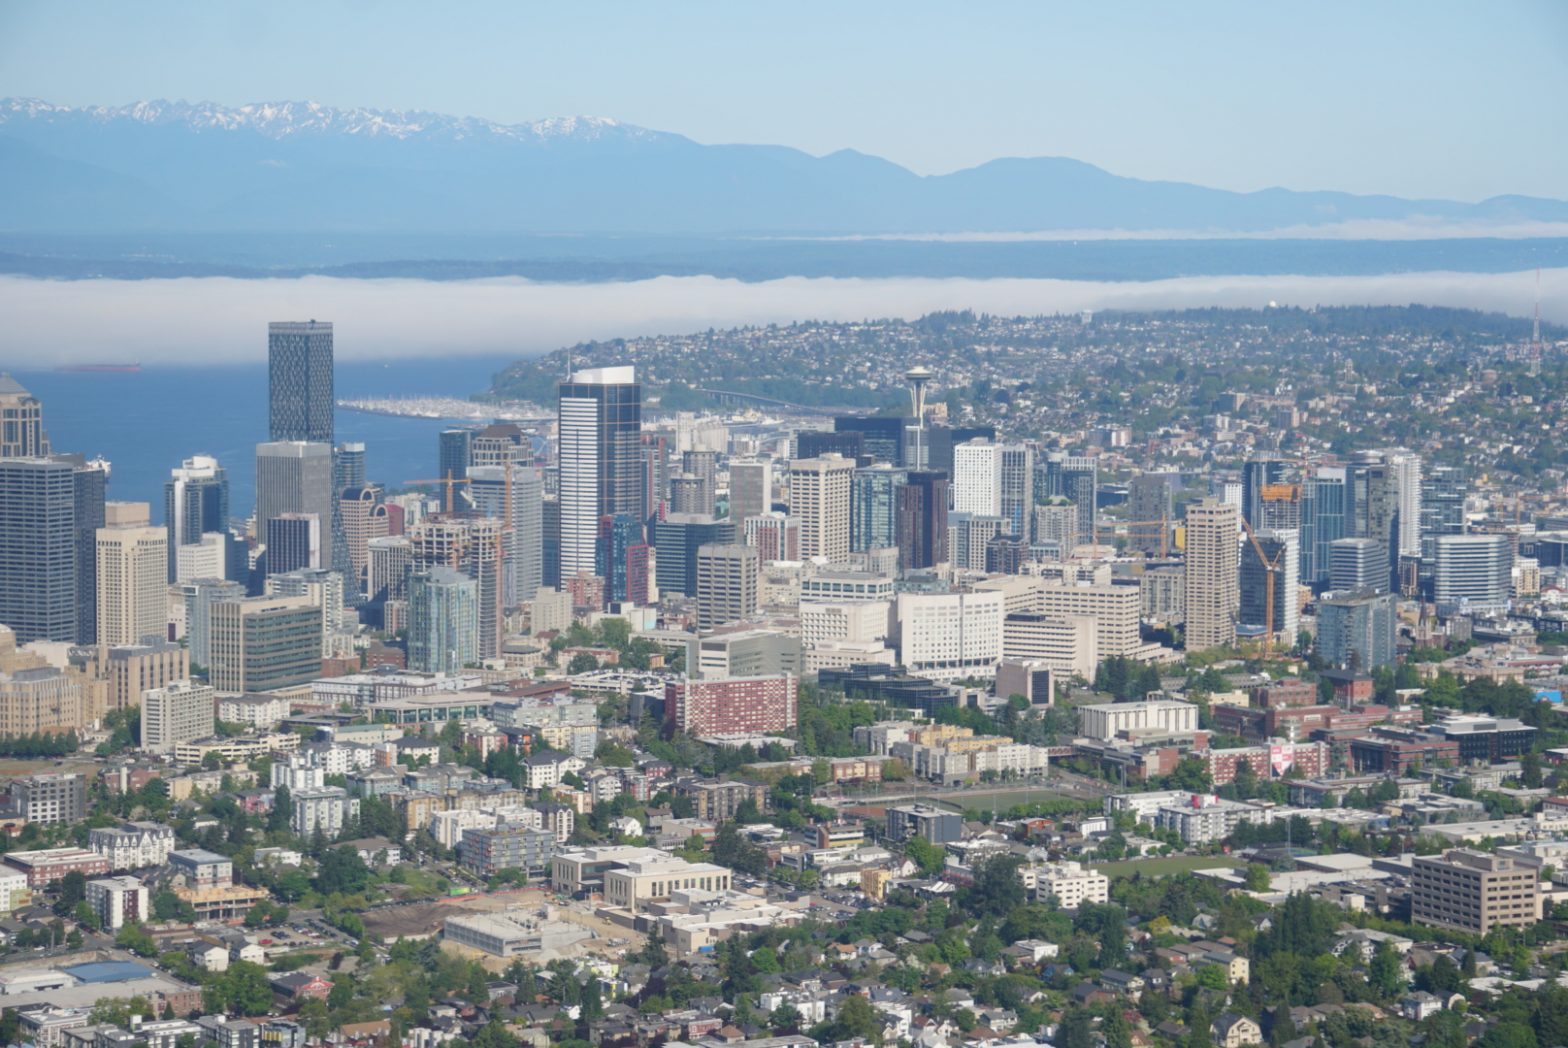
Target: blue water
148,422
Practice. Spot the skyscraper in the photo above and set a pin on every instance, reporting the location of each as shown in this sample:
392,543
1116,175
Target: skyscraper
1280,548
38,578
1473,570
91,484
1323,520
1017,489
21,421
133,577
178,712
1356,630
452,453
1357,564
364,518
1257,473
617,557
293,541
468,545
977,478
600,455
726,584
676,539
819,500
299,373
1075,478
751,488
1212,594
921,522
443,621
523,543
873,508
294,477
195,502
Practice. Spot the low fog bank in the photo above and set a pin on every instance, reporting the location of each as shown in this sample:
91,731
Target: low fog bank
218,320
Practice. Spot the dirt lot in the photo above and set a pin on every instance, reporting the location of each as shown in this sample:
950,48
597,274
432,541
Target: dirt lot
423,919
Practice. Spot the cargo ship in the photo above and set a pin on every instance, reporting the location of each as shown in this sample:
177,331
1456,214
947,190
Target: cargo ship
123,369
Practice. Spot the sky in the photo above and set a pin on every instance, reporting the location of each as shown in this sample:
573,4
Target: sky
1419,99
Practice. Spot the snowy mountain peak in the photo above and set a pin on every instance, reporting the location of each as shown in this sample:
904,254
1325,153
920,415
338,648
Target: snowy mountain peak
283,119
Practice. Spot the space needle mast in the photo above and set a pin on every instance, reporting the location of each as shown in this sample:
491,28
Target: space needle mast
918,378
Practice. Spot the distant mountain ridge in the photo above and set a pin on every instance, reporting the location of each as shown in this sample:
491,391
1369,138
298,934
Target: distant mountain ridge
183,167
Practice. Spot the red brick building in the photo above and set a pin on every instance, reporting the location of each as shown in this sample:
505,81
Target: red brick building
52,864
1270,761
732,704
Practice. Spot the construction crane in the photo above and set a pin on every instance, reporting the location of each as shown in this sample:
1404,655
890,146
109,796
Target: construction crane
1270,569
1164,524
449,482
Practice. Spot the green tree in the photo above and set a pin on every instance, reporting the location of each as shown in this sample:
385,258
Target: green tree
1257,877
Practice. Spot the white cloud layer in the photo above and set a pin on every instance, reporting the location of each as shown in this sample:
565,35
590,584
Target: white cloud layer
211,320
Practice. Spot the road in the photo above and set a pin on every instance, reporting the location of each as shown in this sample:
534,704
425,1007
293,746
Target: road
1058,783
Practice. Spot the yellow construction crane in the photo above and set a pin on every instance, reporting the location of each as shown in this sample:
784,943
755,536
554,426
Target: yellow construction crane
1270,568
449,481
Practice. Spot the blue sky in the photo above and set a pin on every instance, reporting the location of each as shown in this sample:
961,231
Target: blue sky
1462,100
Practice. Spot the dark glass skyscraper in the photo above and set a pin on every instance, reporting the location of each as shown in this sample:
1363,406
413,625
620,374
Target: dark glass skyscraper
91,488
921,522
613,557
299,372
38,578
195,502
452,453
601,461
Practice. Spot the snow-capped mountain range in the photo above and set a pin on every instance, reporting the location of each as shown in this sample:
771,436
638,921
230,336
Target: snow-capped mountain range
281,119
285,167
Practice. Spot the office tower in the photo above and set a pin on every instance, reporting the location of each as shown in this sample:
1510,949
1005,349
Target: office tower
131,669
1212,567
726,584
1279,508
968,536
388,563
1281,549
621,559
200,595
91,483
689,494
324,589
600,455
293,542
751,488
774,535
1006,555
1474,891
1056,527
195,502
523,543
1017,489
654,473
452,453
1257,473
1075,478
873,507
1356,630
133,579
264,643
21,421
443,621
364,517
676,540
1443,492
550,543
704,465
1151,504
38,576
1357,564
921,523
881,436
299,374
293,477
497,444
349,466
469,545
179,712
977,478
1405,478
1472,570
1325,501
819,500
813,443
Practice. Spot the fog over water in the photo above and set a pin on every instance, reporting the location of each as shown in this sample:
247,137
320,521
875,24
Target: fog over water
215,319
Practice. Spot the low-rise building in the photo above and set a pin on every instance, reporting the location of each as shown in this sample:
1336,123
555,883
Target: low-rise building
132,845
